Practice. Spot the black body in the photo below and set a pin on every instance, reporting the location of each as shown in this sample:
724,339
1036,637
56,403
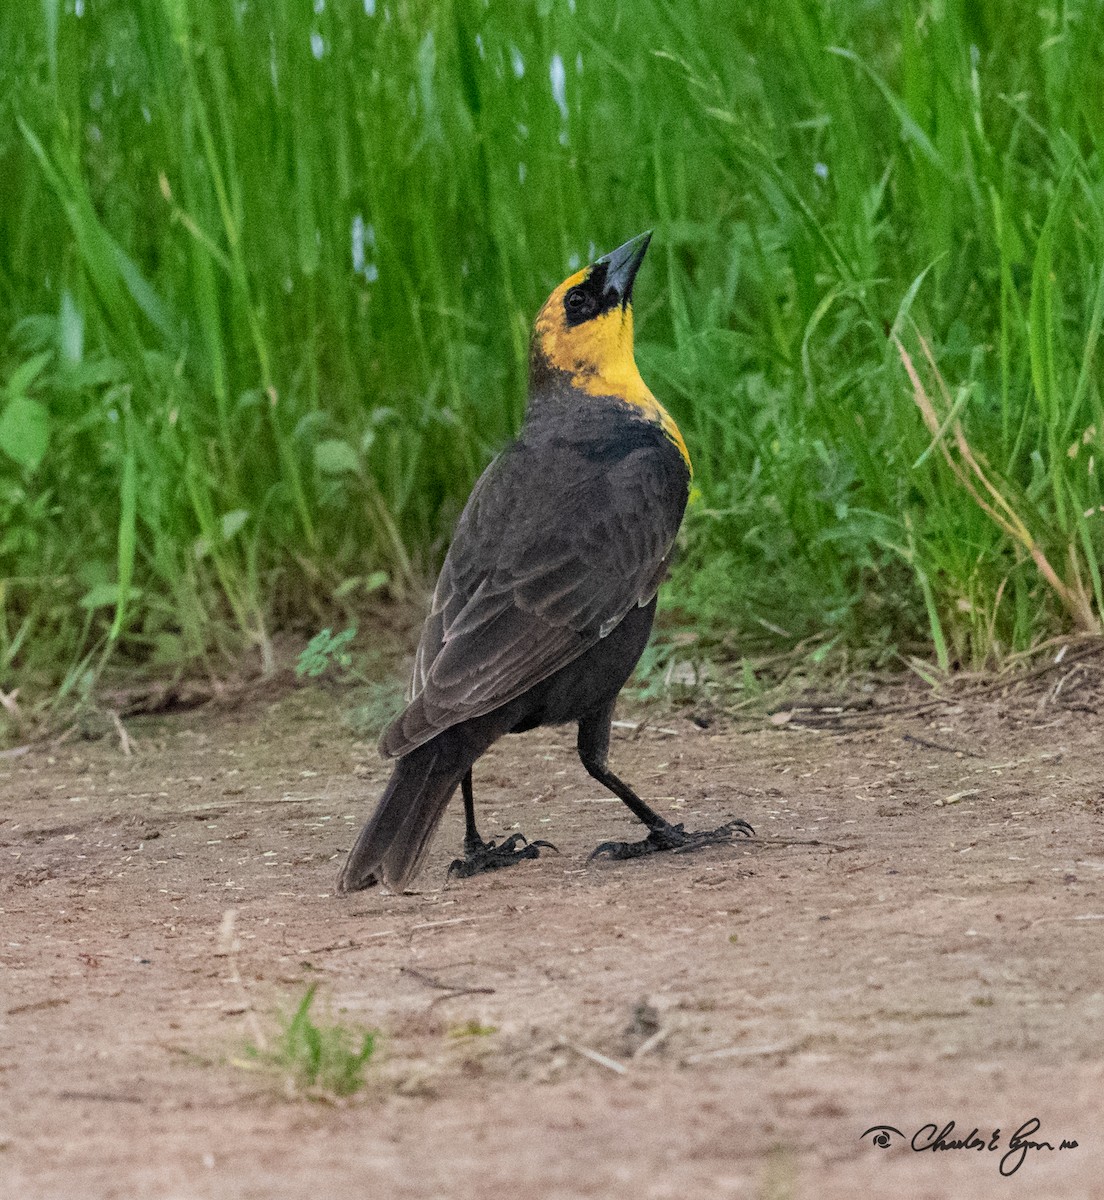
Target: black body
542,609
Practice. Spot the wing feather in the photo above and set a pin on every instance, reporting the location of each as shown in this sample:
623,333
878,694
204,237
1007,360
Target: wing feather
554,547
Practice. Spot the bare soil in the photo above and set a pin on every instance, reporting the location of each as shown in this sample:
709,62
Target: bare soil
915,937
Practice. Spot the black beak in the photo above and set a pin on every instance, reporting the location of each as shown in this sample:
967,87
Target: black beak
622,265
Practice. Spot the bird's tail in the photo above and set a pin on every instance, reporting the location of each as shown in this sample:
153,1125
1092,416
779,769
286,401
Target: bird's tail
394,840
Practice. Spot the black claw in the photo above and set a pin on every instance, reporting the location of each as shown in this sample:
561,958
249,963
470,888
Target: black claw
737,827
673,837
489,856
620,850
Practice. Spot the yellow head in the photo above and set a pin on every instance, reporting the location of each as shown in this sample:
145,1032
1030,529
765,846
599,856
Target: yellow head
585,331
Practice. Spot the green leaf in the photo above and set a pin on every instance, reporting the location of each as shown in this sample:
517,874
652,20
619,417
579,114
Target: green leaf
70,329
335,457
25,431
104,595
233,521
128,535
105,259
26,373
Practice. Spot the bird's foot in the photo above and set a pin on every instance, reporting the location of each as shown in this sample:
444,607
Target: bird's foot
489,856
673,837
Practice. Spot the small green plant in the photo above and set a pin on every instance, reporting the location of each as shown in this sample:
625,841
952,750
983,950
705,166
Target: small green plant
325,651
472,1029
650,677
317,1060
377,703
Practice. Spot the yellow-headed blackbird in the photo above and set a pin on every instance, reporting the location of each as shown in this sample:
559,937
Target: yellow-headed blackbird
546,598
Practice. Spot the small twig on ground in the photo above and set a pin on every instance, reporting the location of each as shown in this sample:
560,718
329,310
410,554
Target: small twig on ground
438,924
633,729
756,839
919,741
428,980
38,1005
1059,660
451,990
1076,669
841,717
741,1052
125,744
457,992
228,946
653,1043
1062,644
636,728
1079,917
603,1060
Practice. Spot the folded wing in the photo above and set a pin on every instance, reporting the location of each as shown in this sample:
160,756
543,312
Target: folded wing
556,544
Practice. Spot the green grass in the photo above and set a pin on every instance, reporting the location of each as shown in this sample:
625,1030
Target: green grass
319,1061
267,270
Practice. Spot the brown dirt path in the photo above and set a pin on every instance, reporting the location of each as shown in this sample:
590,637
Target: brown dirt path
765,1004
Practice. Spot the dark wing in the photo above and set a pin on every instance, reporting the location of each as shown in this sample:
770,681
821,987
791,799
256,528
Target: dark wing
554,547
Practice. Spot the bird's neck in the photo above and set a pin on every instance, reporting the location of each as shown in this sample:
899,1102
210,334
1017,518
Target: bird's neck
551,387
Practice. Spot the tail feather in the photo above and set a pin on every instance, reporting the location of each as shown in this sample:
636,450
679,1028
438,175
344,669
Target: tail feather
395,839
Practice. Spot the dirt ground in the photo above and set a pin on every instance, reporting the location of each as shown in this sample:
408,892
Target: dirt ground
915,937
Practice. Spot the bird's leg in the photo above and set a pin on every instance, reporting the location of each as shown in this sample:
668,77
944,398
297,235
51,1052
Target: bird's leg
482,856
594,737
473,843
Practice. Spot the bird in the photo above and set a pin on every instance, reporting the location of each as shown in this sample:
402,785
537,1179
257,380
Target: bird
547,594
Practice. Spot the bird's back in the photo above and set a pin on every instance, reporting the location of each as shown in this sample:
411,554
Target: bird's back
566,531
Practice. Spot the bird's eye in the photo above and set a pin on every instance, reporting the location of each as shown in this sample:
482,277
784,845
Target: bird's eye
579,304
